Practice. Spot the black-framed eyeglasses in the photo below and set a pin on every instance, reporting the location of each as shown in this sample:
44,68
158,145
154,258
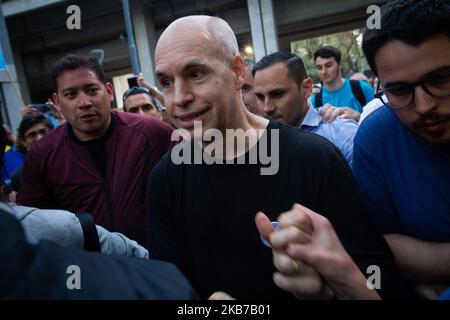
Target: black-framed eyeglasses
402,95
135,90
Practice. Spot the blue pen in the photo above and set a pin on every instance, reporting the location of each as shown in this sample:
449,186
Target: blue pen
264,241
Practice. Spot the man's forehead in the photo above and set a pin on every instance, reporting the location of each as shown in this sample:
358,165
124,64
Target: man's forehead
398,61
320,60
266,85
138,97
182,62
80,72
37,126
273,73
83,76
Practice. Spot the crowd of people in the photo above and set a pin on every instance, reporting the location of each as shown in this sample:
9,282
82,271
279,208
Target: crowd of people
362,179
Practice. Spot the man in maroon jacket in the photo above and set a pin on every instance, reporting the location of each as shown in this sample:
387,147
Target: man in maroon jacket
100,160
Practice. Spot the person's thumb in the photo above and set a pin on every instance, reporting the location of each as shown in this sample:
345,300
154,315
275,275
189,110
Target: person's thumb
219,295
264,225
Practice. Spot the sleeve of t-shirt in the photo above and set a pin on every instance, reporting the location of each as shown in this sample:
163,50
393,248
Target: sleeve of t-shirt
163,241
368,91
33,191
368,170
338,199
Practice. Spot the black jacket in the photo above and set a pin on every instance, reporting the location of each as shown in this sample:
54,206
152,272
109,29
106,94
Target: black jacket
43,271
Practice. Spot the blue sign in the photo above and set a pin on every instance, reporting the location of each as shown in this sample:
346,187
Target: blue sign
2,61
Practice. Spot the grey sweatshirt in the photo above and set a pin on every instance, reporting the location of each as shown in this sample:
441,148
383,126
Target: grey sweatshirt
63,228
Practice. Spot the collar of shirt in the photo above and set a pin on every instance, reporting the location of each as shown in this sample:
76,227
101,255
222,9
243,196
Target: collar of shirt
312,118
105,137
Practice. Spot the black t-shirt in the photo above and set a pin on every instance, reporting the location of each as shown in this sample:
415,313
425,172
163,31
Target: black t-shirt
96,147
97,151
202,216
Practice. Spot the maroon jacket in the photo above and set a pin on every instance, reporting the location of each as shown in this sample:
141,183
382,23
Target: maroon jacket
59,173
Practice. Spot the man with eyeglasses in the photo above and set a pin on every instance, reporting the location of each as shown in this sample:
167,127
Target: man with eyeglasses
402,150
139,100
32,128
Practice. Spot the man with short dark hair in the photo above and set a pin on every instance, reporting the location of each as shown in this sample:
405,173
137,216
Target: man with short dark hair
248,94
283,88
337,90
100,160
402,149
32,127
139,100
40,250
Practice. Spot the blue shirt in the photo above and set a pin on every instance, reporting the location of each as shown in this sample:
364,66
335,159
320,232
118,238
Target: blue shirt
445,295
405,179
340,132
343,97
12,160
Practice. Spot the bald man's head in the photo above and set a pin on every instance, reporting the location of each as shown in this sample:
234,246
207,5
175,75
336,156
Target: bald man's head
213,30
201,72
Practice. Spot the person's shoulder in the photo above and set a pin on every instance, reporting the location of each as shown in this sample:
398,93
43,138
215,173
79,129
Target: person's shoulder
131,119
288,132
13,154
51,141
381,117
344,124
381,126
20,212
365,85
347,83
372,105
305,144
57,216
367,89
167,170
342,132
146,125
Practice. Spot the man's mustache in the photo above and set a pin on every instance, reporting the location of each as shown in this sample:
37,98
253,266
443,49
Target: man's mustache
432,117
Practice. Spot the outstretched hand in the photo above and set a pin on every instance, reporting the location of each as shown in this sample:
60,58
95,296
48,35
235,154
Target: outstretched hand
310,258
154,90
294,275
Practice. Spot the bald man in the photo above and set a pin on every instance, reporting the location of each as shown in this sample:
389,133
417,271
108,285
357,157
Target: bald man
202,213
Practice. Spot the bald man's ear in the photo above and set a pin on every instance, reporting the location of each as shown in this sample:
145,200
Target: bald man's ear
238,67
